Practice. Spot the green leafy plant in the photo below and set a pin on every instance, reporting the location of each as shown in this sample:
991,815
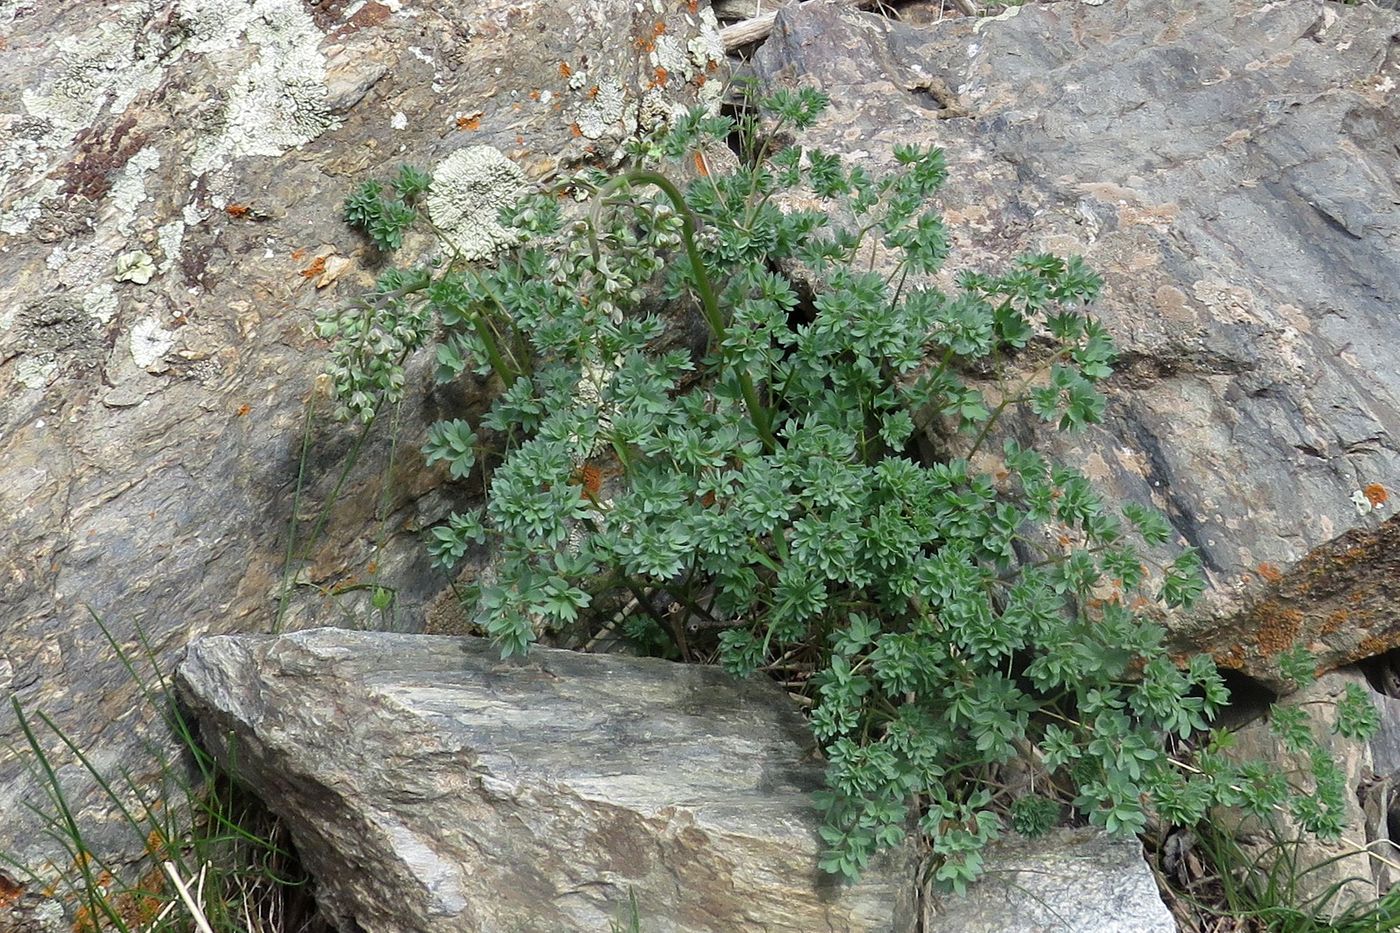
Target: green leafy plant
810,487
384,218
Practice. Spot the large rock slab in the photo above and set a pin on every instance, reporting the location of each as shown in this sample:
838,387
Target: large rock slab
1069,881
151,416
430,786
1230,169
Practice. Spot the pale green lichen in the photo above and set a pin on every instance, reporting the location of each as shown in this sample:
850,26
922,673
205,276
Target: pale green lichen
129,189
277,103
469,189
605,111
135,266
36,372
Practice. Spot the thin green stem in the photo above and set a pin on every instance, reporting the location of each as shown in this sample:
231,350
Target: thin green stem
759,416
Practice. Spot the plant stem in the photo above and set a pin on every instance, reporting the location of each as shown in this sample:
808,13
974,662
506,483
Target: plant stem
759,415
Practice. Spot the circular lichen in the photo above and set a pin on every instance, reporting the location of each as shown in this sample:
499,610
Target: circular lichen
469,189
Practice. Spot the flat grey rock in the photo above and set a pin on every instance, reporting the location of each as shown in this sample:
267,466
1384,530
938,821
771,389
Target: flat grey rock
1069,881
430,786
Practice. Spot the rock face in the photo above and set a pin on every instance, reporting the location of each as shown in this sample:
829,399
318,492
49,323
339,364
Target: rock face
1372,776
1230,170
431,786
171,174
1070,881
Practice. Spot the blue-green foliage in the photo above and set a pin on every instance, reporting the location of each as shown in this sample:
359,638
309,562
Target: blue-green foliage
815,486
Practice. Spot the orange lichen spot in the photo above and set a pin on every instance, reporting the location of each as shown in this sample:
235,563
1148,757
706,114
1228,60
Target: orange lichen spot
1372,645
298,254
535,94
1278,631
372,567
575,131
155,839
659,29
593,92
243,410
1376,494
237,210
700,80
711,66
693,5
1336,621
644,44
1232,658
10,892
83,921
590,478
469,122
519,140
702,167
1269,572
140,906
1063,540
316,269
565,71
662,76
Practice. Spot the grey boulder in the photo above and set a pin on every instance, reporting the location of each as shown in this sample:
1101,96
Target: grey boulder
431,786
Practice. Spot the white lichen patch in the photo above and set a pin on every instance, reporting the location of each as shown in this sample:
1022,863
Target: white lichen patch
78,265
18,217
605,110
100,302
278,102
707,46
399,121
169,237
106,66
36,372
129,189
469,189
669,54
9,9
150,342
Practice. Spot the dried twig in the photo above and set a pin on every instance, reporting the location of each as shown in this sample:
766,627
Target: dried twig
196,912
757,29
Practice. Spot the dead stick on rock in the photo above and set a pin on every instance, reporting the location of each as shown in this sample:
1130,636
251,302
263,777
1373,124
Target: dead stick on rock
756,29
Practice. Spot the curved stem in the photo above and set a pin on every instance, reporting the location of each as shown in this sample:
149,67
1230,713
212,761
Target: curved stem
759,415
